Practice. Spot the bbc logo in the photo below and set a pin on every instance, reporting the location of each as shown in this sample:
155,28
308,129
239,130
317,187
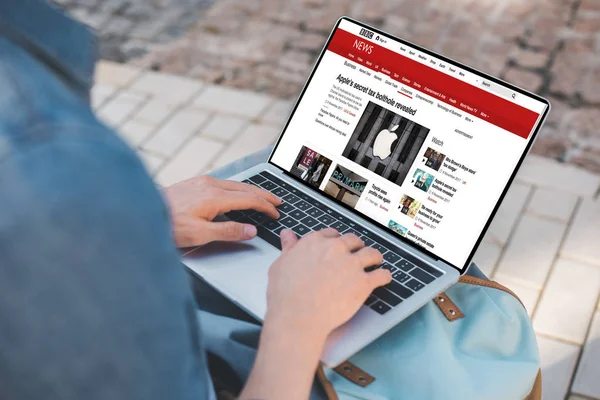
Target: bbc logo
366,33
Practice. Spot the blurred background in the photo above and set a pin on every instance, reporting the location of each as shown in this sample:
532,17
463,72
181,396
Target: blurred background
195,84
550,47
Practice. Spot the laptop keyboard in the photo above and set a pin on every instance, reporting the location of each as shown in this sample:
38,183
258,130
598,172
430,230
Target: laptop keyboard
303,214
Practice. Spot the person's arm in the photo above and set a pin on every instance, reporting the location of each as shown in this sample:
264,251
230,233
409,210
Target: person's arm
94,302
316,285
286,362
195,202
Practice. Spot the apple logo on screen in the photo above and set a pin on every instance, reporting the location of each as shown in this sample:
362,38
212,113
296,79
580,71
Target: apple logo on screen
382,147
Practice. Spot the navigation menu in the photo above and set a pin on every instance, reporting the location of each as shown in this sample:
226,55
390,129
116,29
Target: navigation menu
435,83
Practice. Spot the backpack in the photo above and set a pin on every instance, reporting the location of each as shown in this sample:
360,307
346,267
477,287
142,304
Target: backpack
473,342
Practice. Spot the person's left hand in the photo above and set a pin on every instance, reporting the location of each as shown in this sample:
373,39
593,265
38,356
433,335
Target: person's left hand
195,202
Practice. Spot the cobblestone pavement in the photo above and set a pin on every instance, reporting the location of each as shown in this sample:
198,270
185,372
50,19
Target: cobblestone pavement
547,46
128,28
542,243
551,47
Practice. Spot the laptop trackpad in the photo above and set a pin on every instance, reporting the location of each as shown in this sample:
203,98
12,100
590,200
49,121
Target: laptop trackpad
238,270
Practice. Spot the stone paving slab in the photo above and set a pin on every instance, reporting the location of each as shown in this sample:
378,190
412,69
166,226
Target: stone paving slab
530,253
548,173
195,157
586,225
559,360
542,244
586,380
552,203
128,28
176,132
230,101
121,108
546,46
509,212
568,302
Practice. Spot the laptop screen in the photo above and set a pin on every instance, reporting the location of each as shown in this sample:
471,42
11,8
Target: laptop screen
424,146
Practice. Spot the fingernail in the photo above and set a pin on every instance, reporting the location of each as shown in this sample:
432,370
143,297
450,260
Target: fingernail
250,231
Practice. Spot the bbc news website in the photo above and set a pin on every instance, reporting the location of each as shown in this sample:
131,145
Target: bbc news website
412,142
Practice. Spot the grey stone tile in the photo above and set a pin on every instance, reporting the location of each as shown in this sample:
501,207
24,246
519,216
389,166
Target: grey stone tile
552,203
548,173
254,138
278,113
190,161
232,101
224,127
167,88
587,380
487,256
120,108
135,132
114,74
151,161
508,213
583,238
176,131
154,112
568,301
100,94
558,360
531,251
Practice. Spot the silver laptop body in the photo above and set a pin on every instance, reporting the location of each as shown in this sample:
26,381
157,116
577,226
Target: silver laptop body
240,270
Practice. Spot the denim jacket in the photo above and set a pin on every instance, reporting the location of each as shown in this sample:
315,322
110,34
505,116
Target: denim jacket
94,303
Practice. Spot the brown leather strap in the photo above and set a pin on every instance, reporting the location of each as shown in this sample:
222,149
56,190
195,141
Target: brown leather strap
327,386
361,378
536,391
448,308
484,282
354,374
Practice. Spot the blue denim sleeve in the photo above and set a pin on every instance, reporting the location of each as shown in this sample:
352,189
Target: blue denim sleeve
94,303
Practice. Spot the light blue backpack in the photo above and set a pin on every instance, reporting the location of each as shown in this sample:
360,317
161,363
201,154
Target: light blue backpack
475,342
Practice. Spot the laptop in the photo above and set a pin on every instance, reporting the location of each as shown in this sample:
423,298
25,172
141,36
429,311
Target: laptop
408,149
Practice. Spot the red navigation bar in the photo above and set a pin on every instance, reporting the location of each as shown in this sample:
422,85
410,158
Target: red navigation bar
462,95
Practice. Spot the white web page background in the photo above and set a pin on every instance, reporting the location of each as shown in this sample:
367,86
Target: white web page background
492,152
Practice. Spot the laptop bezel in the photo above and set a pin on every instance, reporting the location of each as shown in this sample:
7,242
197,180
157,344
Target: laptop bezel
386,229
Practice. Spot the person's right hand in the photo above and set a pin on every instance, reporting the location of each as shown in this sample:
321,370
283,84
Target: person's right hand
319,282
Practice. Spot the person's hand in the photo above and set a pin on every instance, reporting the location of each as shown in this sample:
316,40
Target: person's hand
194,204
319,282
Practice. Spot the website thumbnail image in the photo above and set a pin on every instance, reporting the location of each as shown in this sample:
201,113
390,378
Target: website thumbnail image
310,166
385,143
345,185
433,159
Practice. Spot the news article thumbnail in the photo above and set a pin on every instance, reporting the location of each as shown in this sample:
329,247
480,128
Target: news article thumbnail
409,206
396,227
433,159
345,185
422,180
310,166
385,142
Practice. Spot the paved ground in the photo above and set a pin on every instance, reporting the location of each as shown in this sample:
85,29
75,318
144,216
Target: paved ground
268,46
551,47
543,243
128,28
